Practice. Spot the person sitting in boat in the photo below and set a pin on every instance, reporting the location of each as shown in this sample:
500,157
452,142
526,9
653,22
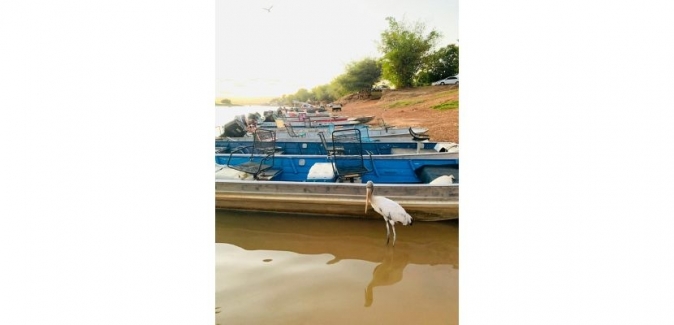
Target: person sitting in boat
251,122
252,126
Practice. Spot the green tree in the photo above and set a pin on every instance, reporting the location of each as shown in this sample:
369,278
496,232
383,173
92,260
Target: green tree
279,101
322,93
288,100
442,63
302,95
359,75
405,50
336,90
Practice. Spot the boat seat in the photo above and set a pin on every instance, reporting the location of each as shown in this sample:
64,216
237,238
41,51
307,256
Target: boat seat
383,125
261,154
251,167
446,147
330,150
232,174
350,174
350,165
268,174
291,131
417,136
307,121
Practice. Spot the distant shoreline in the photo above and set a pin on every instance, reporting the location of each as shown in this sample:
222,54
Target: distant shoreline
243,101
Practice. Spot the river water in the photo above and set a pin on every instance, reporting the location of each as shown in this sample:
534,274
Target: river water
307,269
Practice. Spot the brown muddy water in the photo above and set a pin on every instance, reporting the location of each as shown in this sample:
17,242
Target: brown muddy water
303,269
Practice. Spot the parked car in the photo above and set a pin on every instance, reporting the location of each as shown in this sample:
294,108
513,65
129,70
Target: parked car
453,80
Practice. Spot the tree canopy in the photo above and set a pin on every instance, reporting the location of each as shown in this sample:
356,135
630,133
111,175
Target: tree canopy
405,49
440,64
360,75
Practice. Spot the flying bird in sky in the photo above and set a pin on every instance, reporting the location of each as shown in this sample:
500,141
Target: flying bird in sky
268,9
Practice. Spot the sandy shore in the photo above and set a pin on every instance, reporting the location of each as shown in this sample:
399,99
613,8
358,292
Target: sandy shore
412,107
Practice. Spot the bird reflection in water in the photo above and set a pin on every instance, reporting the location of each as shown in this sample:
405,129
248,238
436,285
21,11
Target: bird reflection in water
389,272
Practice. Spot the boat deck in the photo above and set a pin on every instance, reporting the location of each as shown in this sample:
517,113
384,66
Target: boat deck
411,151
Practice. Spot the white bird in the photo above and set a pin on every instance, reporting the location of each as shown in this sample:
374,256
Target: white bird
389,209
268,9
443,180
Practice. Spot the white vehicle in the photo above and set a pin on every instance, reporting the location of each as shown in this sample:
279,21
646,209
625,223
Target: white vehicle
453,80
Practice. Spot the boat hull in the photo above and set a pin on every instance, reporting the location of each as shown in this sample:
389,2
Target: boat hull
424,202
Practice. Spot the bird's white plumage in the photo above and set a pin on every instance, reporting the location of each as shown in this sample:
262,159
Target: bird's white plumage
390,210
387,208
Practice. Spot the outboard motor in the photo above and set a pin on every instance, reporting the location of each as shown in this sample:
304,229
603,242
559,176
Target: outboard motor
235,128
269,116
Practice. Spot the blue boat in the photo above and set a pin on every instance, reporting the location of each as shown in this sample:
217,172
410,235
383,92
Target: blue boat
304,146
334,183
317,145
307,168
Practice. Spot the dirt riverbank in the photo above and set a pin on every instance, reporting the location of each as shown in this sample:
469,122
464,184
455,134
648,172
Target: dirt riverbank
431,107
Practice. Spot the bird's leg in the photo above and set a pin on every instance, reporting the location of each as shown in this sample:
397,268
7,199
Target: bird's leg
394,233
387,232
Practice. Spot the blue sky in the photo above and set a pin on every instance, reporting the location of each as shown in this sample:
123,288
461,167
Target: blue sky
303,43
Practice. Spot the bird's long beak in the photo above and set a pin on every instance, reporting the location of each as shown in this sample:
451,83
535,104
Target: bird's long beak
368,192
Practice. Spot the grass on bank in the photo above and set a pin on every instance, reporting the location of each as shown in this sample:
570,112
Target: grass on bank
451,104
403,103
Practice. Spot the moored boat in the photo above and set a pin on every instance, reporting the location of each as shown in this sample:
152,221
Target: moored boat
334,184
310,123
308,146
423,201
370,133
